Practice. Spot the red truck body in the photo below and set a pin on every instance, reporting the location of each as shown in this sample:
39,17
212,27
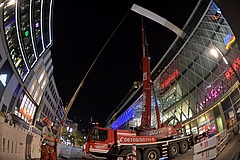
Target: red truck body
106,143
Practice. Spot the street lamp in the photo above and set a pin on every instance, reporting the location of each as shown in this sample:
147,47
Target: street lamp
215,51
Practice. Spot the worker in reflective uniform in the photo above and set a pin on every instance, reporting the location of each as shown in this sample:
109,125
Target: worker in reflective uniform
49,141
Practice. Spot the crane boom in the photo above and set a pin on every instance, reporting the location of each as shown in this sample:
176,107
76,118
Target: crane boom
81,83
69,105
146,103
144,12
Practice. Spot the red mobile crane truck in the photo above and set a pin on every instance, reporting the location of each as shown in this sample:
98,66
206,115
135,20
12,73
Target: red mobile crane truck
151,143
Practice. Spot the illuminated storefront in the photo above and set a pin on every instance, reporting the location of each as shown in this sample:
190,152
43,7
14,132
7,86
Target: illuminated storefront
26,108
195,87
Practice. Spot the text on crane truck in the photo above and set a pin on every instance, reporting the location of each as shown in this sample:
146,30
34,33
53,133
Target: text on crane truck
136,140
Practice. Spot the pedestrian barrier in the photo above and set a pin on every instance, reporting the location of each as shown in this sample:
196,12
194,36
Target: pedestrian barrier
211,147
17,143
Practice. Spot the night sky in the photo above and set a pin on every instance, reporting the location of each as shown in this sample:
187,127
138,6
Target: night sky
81,29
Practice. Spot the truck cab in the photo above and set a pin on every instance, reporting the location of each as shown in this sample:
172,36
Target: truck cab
105,142
99,142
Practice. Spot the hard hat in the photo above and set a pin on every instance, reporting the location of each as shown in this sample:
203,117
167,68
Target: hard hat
45,119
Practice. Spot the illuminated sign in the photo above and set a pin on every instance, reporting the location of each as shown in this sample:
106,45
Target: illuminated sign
230,71
127,115
25,113
217,15
27,108
3,79
214,93
228,41
170,79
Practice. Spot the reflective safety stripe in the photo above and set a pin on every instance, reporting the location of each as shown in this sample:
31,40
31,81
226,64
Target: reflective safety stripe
49,150
40,149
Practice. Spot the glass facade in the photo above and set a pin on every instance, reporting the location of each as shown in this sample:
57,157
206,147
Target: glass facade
194,86
37,26
27,31
12,38
27,27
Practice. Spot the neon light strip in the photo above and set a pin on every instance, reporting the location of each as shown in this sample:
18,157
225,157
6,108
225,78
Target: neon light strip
50,16
19,40
41,20
31,30
128,114
9,23
230,42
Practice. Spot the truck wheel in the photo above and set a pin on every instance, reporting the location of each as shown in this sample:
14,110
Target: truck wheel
151,154
128,152
183,146
173,150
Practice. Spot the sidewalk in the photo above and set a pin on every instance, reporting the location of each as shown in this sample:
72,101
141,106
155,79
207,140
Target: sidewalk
232,148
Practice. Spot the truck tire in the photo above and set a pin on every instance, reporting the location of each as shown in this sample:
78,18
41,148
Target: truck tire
128,152
151,154
183,147
173,150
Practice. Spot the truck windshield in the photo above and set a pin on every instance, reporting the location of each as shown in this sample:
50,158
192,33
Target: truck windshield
99,135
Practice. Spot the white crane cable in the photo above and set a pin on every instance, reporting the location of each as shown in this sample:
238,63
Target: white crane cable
69,105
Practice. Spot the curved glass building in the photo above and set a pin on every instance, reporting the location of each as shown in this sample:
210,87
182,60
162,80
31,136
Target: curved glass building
27,84
27,29
197,80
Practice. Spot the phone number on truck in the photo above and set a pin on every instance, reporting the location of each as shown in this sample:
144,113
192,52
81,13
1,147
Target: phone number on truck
137,140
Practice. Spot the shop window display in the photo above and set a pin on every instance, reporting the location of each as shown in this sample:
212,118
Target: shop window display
230,118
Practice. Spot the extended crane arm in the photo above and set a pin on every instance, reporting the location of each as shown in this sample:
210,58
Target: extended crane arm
81,83
68,108
146,13
146,104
